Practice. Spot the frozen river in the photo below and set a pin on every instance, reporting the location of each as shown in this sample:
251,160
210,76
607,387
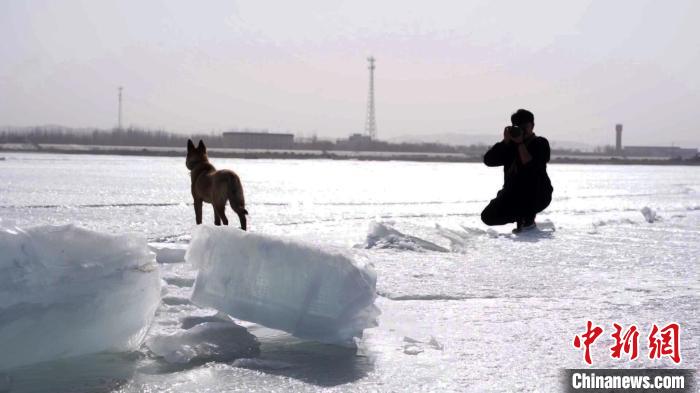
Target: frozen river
464,308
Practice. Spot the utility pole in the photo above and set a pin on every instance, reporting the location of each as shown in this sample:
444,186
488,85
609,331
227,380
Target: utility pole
370,122
119,118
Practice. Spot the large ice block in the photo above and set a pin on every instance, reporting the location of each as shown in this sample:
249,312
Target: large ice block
66,291
283,284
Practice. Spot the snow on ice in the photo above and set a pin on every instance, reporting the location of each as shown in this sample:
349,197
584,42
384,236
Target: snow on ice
67,291
283,284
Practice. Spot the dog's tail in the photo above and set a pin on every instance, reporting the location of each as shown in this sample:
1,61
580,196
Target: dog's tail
235,194
236,199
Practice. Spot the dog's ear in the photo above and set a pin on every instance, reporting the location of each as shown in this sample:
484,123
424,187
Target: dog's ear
190,145
201,146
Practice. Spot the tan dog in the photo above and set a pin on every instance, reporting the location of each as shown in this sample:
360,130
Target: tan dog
215,187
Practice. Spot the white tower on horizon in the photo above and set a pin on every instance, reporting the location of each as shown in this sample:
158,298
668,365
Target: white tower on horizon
618,138
370,122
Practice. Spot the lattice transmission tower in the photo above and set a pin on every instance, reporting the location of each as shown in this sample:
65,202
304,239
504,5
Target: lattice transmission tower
371,122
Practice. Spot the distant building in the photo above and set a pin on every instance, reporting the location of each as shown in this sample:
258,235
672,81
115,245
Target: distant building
258,140
659,152
651,151
355,142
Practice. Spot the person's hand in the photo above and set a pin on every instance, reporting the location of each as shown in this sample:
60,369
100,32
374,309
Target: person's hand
517,140
506,134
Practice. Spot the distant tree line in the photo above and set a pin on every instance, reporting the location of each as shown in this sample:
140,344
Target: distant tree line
161,138
114,137
378,146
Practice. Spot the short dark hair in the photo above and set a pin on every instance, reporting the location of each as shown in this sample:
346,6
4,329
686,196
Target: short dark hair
522,117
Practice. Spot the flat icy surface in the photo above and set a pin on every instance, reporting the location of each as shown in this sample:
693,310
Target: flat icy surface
464,308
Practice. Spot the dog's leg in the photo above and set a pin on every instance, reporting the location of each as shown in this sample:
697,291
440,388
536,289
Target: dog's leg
220,211
242,219
241,212
198,211
217,218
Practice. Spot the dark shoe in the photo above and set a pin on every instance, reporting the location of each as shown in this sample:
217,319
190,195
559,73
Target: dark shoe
525,225
519,226
528,221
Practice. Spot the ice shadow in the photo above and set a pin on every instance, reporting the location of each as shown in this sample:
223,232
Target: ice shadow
96,373
532,237
281,354
318,364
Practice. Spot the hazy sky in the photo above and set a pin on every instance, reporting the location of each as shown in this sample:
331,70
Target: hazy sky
300,66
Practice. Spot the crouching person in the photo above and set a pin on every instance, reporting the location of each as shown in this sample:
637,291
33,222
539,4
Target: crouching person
527,189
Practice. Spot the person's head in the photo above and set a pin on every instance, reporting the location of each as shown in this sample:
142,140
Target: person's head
523,119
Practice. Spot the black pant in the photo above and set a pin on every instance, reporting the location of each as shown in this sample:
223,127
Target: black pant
513,206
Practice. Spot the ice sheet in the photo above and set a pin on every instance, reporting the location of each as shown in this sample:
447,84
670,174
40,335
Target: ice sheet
505,308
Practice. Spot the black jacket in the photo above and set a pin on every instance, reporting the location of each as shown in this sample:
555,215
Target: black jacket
518,176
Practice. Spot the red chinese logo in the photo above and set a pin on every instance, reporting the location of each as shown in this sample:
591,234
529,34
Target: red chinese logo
667,345
627,343
588,338
663,341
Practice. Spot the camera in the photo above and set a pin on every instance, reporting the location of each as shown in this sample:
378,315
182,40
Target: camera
515,131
